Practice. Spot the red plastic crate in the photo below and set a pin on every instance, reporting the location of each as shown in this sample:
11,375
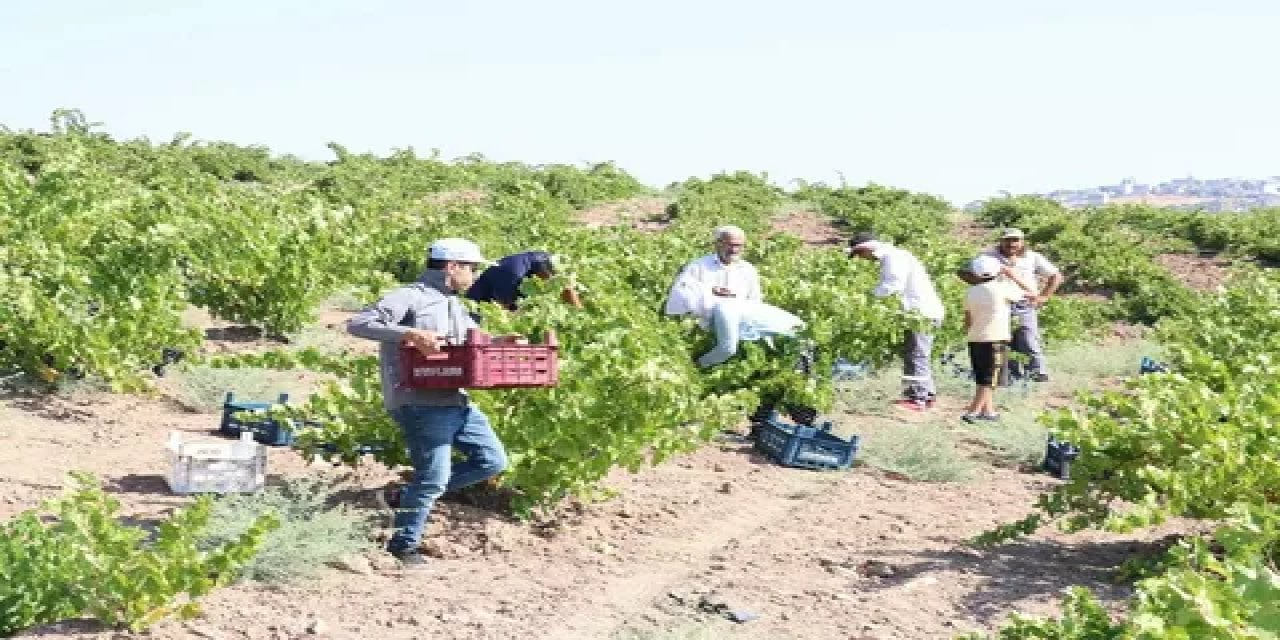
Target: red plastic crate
482,364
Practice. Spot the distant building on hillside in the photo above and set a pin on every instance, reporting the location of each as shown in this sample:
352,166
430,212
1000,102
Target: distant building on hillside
1189,193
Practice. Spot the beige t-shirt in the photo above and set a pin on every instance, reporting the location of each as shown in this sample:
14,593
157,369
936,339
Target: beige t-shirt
989,313
1030,266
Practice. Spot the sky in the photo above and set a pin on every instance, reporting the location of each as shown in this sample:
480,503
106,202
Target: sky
957,99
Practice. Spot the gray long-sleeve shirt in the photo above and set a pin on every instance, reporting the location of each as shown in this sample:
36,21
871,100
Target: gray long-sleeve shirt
425,304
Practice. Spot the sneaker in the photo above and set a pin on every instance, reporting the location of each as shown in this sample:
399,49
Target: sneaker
411,559
988,417
910,405
970,418
1040,377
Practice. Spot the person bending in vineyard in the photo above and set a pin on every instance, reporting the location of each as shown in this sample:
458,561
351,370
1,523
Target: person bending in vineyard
427,315
1025,267
902,274
501,282
705,283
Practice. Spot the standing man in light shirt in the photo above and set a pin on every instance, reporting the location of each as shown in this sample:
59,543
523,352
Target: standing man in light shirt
902,274
987,307
707,282
1025,268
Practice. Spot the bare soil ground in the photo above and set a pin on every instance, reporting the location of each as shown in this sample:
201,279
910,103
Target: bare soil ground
646,214
650,214
810,226
968,229
683,546
1198,272
841,555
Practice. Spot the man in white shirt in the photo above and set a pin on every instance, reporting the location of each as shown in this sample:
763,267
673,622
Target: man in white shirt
902,274
1025,268
706,283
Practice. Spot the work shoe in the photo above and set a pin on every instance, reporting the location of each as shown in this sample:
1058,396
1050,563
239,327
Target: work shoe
411,559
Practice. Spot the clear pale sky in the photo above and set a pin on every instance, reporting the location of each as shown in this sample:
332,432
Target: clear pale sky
960,99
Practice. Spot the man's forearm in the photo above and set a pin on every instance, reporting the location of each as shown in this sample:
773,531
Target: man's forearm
1051,287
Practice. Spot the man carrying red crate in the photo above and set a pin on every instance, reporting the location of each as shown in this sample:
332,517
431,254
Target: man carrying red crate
426,315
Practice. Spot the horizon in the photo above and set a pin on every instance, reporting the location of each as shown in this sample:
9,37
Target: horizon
958,102
100,127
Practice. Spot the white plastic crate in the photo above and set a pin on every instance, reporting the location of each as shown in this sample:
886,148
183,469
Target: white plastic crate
216,467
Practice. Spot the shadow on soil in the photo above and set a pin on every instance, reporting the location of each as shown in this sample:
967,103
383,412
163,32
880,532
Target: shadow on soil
1026,570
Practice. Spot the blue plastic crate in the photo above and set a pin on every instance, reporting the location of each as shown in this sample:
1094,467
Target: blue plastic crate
1149,365
1058,456
845,370
805,447
265,430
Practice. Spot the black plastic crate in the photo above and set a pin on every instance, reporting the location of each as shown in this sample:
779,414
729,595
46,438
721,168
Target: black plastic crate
762,413
800,414
806,447
1058,456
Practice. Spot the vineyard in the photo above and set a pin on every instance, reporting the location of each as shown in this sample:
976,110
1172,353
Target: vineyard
110,246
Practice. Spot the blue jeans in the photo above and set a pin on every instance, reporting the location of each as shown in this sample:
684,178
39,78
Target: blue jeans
431,434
